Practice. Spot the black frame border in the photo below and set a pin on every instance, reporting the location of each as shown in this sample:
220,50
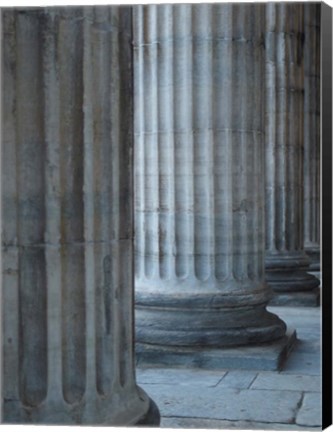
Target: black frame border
326,207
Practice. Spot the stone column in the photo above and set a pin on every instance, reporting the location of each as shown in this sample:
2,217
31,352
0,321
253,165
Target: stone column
286,261
67,219
199,194
312,133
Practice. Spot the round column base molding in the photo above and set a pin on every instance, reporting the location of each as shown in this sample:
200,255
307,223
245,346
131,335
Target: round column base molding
287,272
194,327
288,261
314,255
152,416
291,281
178,296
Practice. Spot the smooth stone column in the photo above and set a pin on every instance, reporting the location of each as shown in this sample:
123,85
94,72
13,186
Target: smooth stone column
286,260
312,133
67,235
199,194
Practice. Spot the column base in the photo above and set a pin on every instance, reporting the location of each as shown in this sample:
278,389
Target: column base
317,274
314,255
304,298
152,417
218,327
287,273
315,266
282,281
95,412
268,356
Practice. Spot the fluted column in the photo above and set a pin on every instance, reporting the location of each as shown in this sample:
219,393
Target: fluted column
312,133
67,218
286,261
199,194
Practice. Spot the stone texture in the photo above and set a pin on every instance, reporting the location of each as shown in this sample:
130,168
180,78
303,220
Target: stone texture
270,356
286,261
273,381
304,363
307,322
226,404
303,316
67,222
311,346
203,423
199,194
310,413
179,377
312,133
238,379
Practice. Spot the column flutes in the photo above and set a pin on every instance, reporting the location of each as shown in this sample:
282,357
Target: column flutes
286,261
312,133
67,222
199,191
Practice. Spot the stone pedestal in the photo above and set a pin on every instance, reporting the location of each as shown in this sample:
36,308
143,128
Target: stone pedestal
199,190
286,260
312,133
67,219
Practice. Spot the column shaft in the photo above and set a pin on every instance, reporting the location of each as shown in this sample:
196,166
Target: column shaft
67,222
312,133
198,176
286,261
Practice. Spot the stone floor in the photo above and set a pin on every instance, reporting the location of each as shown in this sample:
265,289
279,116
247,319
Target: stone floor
247,399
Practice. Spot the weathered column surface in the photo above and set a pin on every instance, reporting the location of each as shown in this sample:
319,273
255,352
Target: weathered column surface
67,219
312,133
286,261
199,176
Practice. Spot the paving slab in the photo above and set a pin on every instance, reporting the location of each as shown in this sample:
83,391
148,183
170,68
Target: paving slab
276,381
237,379
303,323
310,412
292,312
246,399
269,356
197,377
308,346
302,363
224,403
203,423
307,334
